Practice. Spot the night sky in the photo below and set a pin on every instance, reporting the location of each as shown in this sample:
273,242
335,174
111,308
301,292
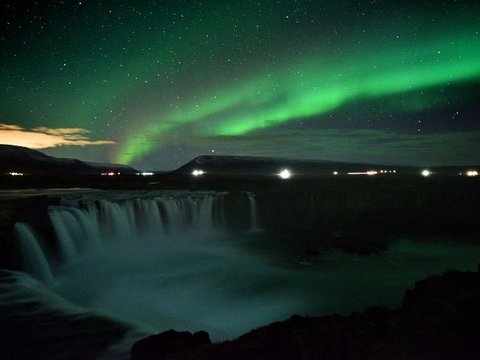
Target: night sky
153,84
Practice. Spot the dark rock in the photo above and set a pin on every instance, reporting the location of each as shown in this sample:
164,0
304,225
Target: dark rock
309,252
35,163
170,344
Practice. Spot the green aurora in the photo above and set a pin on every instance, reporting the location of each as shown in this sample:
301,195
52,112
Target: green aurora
167,81
314,86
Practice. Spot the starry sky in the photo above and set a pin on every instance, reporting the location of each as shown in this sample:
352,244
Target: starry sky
153,84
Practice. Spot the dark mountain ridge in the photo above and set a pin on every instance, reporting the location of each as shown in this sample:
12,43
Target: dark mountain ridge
250,165
20,159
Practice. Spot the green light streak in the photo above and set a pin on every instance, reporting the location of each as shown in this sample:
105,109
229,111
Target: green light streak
314,86
303,101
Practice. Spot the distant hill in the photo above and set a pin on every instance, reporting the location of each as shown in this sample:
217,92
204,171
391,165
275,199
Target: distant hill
249,165
32,162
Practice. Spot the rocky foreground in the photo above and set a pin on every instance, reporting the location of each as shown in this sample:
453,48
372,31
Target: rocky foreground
438,319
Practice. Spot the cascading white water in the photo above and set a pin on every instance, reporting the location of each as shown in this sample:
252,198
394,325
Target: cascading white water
33,257
87,227
95,224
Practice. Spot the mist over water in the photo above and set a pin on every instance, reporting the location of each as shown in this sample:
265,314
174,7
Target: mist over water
185,283
169,262
170,268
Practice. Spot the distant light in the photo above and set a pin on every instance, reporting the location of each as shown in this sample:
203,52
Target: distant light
198,172
145,173
335,173
13,173
394,171
285,174
369,172
426,173
472,173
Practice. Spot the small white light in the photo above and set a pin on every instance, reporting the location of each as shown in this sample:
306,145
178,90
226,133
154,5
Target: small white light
369,172
285,174
426,173
145,173
335,173
14,173
198,172
472,173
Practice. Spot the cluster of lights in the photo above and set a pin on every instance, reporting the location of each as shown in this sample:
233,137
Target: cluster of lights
111,173
424,173
368,172
13,173
285,174
198,172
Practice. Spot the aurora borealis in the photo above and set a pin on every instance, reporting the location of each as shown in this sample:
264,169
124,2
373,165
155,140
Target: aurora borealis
155,83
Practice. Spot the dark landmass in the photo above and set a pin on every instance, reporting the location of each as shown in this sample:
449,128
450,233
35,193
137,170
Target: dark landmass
30,162
262,166
438,319
221,173
40,168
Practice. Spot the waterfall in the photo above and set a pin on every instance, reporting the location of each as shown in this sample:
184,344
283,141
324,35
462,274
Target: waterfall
90,225
34,259
253,213
66,228
156,261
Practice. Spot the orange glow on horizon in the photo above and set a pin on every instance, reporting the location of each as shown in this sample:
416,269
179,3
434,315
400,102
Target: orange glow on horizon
42,138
